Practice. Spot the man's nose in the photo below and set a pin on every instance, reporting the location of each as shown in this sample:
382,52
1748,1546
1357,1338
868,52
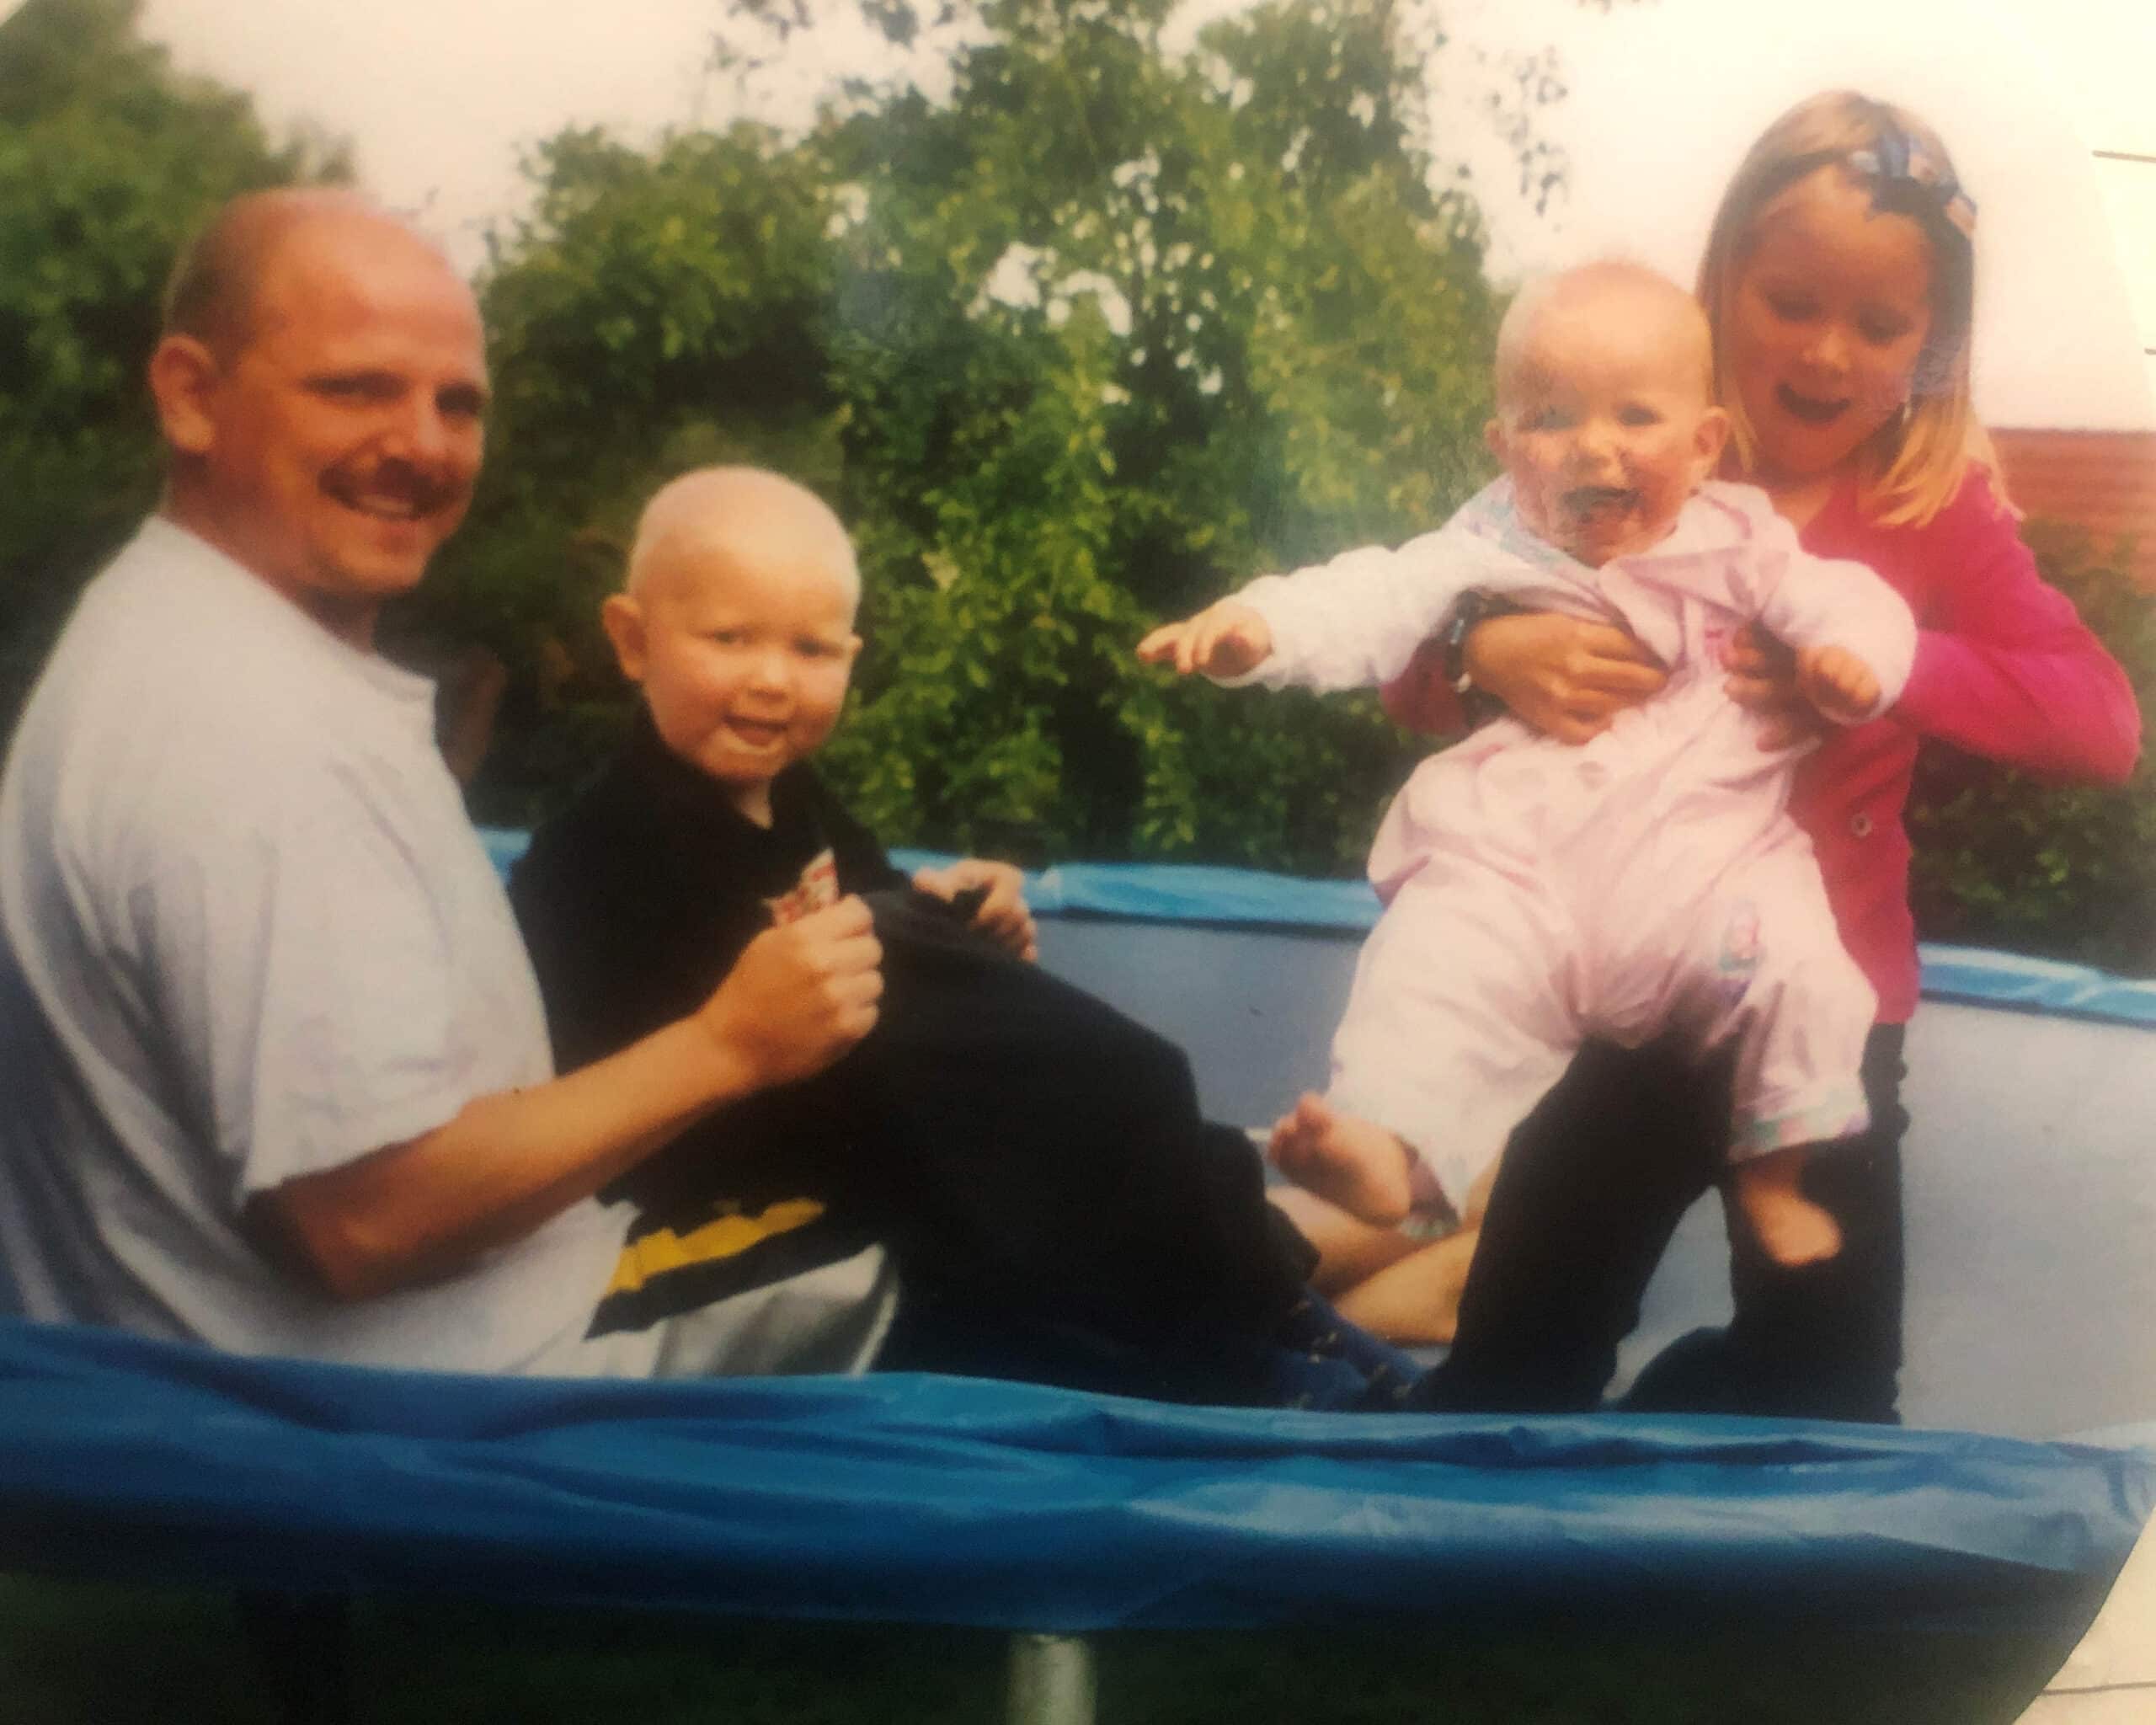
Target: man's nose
421,432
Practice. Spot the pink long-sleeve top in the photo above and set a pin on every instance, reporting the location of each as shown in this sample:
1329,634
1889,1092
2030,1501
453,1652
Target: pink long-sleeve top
2005,670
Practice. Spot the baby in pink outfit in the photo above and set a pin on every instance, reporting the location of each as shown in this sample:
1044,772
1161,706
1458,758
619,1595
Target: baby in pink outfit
1535,893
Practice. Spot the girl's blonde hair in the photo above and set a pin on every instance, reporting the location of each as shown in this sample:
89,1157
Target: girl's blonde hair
1913,465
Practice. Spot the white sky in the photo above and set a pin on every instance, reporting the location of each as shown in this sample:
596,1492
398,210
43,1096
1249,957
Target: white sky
439,97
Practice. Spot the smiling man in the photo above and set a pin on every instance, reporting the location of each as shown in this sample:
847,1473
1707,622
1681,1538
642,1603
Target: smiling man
275,1071
326,428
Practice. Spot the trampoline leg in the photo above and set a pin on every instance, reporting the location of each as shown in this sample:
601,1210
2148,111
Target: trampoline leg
1051,1680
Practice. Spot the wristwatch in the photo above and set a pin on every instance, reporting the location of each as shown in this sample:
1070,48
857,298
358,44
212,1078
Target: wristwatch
1470,608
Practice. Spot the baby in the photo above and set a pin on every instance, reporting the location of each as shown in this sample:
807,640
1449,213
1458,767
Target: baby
1537,894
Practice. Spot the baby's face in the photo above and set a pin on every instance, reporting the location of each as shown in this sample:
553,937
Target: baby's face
744,659
1604,426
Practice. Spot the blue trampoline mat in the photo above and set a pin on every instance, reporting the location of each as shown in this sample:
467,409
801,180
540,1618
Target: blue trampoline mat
909,1498
2031,1196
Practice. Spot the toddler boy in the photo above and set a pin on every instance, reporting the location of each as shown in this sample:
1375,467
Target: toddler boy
1034,1160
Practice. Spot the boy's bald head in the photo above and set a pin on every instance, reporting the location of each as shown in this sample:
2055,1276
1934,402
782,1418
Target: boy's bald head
742,516
737,622
1622,300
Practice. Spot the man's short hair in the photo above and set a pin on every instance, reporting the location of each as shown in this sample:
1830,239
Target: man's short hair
211,293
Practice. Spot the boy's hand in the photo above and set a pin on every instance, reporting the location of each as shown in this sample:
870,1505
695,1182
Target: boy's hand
1002,916
1762,679
1223,640
1838,683
800,995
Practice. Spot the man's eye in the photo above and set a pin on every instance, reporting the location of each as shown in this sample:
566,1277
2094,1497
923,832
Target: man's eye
1637,416
1881,331
1794,308
358,387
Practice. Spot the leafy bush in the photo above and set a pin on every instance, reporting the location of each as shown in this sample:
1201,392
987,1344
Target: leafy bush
108,160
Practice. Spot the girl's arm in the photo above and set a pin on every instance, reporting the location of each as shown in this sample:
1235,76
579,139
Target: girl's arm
1561,675
2005,668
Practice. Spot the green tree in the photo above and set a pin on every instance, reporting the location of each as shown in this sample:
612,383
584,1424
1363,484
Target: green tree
108,159
655,309
1101,334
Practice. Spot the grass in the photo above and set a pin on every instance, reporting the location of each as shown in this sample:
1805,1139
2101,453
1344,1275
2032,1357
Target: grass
76,1653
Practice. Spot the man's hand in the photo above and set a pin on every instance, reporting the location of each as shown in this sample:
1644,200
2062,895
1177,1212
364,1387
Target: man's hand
1561,675
1224,640
1002,916
1838,683
1763,678
799,996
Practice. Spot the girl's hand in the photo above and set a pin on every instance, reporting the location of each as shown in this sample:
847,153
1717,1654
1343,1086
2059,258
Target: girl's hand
1561,675
1838,683
1002,916
1223,640
1763,677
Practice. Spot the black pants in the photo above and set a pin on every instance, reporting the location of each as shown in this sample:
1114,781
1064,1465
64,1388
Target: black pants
1592,1185
1029,1154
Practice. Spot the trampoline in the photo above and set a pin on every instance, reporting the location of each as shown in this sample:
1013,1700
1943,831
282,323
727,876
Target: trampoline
2026,1470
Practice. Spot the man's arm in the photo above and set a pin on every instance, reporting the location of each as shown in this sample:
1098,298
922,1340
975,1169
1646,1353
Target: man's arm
503,1165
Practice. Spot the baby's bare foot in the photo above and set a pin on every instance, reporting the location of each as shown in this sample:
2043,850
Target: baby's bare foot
1352,1163
1791,1228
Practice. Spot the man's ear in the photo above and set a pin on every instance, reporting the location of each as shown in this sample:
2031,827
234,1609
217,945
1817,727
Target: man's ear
184,375
622,618
1709,437
1493,437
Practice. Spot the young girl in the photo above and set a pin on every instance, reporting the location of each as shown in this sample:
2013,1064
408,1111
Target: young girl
1837,281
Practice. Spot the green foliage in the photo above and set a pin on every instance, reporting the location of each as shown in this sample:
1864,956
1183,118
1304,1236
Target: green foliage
1087,343
654,313
2066,871
108,160
1083,341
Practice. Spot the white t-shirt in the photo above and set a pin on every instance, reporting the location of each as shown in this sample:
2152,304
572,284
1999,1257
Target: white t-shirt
246,932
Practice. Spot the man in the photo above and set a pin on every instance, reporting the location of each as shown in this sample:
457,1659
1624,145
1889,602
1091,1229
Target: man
276,1073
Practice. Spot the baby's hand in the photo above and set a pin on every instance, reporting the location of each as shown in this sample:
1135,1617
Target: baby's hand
1838,683
1002,916
1223,640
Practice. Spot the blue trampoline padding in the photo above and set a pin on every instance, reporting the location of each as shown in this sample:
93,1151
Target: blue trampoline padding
1161,892
907,1499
